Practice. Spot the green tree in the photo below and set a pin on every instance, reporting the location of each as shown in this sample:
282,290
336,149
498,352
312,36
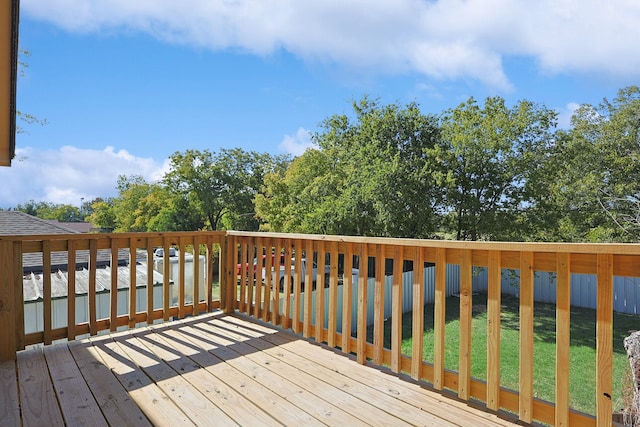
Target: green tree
484,161
103,215
67,213
220,186
51,211
369,176
598,172
296,199
137,204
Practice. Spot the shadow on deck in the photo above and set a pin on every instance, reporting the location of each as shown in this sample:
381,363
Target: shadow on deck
215,370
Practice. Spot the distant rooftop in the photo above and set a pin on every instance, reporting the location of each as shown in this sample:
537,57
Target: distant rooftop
16,223
33,283
80,227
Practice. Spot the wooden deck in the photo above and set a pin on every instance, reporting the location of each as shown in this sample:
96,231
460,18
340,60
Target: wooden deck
214,370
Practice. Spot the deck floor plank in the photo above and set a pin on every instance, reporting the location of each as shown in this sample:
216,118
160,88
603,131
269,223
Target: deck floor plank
232,403
307,379
9,402
79,408
112,398
215,369
37,397
389,385
199,409
286,409
154,403
357,398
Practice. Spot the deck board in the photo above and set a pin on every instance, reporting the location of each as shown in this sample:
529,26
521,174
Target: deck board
9,403
215,370
112,398
152,401
38,402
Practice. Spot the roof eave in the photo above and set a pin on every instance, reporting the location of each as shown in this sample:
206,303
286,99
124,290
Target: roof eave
9,17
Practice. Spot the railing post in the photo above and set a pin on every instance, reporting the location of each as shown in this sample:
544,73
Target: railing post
18,295
228,251
7,302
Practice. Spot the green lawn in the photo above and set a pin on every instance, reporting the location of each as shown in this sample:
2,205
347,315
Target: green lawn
583,344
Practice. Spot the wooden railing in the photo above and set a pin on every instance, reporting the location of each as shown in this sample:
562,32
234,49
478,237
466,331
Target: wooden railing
310,304
88,250
292,308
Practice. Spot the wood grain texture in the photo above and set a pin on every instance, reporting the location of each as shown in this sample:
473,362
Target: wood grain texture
493,332
37,396
9,402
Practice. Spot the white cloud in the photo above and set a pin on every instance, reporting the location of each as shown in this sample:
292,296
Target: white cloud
296,144
444,39
565,114
68,174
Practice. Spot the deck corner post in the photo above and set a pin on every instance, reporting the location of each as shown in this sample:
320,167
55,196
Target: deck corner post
8,310
227,282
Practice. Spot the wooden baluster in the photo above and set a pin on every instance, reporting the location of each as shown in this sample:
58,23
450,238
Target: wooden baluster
440,304
275,283
563,337
166,271
347,299
257,309
113,292
286,287
150,281
319,290
526,337
196,275
333,294
417,324
251,276
604,340
244,260
378,305
493,330
362,303
266,312
46,291
71,290
297,286
309,292
181,278
133,289
396,310
93,260
464,363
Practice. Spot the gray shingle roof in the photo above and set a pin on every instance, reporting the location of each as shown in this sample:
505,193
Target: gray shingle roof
15,223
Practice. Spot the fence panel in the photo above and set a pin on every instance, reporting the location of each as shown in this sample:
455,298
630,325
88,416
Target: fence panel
626,290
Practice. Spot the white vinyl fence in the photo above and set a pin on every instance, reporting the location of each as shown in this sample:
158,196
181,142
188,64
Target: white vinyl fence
453,287
626,290
583,292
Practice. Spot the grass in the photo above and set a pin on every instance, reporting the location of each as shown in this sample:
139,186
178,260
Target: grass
582,354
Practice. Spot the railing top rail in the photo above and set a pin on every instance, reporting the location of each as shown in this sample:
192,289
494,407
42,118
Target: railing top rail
99,236
579,248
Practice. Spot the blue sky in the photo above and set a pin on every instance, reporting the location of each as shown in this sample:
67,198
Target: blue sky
123,84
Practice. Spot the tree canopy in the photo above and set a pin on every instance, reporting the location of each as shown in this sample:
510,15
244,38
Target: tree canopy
479,171
367,176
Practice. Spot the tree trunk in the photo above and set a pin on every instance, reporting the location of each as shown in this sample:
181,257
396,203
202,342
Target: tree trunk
632,412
